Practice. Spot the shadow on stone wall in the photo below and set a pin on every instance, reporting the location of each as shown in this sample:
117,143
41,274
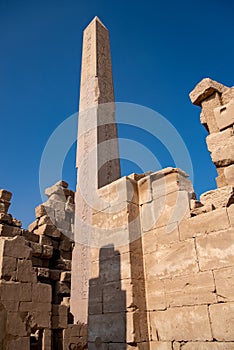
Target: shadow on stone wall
107,304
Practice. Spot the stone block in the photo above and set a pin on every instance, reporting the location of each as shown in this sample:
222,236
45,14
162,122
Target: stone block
9,231
29,306
40,319
38,262
47,339
17,248
229,174
114,299
41,293
15,291
47,252
59,317
33,226
48,230
16,222
181,324
223,155
16,325
222,321
216,220
65,276
220,197
165,211
145,190
5,195
63,265
25,272
205,88
216,250
208,346
55,275
10,305
62,288
5,219
224,281
22,343
29,236
218,139
7,266
66,245
192,289
225,115
4,206
160,345
36,249
172,260
155,294
42,272
230,211
44,220
108,327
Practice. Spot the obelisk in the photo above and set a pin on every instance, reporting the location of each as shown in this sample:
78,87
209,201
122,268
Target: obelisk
97,153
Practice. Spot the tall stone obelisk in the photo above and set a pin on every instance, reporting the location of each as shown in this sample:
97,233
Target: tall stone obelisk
97,153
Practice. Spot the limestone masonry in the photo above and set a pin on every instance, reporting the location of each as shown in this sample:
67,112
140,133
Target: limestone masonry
136,262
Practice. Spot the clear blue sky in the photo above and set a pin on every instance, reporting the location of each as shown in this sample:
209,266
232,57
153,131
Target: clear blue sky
160,50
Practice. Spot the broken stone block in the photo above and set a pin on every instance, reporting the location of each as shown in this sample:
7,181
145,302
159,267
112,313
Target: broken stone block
62,288
222,322
16,248
45,219
42,272
5,195
218,139
181,324
224,155
36,249
33,226
63,265
42,210
205,88
65,276
16,222
221,197
29,236
16,325
5,219
4,206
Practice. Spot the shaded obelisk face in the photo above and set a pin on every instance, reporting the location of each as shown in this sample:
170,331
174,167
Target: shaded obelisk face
97,152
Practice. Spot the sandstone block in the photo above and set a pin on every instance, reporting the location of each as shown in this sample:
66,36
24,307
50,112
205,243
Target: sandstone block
16,325
42,272
16,247
155,295
36,249
4,206
7,266
171,260
222,321
59,317
218,139
27,306
230,211
5,219
41,292
208,346
62,288
65,276
63,265
224,155
25,272
216,220
216,250
47,252
33,226
181,324
225,115
29,236
160,345
229,174
204,89
48,230
224,281
19,344
39,319
45,219
9,231
55,274
220,197
190,290
5,195
145,190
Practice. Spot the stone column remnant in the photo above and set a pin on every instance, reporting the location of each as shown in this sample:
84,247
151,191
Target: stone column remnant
217,115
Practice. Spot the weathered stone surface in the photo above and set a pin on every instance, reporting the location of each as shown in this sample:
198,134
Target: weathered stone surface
186,323
15,291
145,190
59,317
19,344
190,290
36,249
207,346
5,195
9,231
5,219
221,197
16,325
215,140
216,220
216,250
47,252
224,281
48,230
29,236
204,89
65,276
160,345
230,211
222,321
41,292
155,294
16,248
25,272
225,115
229,174
175,259
7,266
224,155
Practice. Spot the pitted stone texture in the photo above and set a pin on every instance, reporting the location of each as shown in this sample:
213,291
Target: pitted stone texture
221,197
205,88
186,323
224,281
222,321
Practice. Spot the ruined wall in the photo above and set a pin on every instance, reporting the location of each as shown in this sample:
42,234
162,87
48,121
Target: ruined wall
35,275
